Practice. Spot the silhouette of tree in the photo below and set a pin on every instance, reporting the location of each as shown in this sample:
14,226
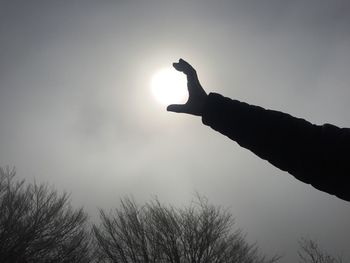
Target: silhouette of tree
158,233
39,225
311,253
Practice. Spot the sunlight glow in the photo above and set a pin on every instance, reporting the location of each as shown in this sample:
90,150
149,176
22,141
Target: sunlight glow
169,86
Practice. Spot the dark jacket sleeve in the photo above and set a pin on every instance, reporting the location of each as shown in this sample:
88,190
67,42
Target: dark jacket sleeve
317,155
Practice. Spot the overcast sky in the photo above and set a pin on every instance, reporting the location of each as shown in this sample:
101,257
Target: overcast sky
76,110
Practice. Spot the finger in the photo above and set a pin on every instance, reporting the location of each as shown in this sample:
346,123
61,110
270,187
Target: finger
188,70
179,108
184,67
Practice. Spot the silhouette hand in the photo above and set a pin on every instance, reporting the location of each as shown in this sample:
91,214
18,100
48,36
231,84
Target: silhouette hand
197,95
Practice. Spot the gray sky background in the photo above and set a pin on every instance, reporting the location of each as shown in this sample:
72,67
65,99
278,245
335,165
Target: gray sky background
76,109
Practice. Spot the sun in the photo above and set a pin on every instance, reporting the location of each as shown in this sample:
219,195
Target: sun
169,86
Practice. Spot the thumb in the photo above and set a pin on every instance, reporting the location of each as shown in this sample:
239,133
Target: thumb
179,108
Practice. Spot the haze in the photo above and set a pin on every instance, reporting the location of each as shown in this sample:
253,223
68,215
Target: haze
77,111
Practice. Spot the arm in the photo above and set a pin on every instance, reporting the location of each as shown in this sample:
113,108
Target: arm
313,154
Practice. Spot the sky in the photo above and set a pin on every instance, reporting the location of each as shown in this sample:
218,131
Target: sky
77,111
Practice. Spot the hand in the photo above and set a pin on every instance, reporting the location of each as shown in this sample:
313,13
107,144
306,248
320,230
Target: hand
196,94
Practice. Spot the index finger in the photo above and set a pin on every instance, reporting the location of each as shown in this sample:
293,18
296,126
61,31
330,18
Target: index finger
184,67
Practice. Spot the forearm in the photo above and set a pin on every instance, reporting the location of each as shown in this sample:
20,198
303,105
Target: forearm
291,144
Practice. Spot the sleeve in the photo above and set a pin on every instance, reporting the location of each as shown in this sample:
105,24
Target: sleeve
317,155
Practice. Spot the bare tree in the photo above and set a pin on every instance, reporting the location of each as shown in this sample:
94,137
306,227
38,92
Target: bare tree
311,253
39,225
158,233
